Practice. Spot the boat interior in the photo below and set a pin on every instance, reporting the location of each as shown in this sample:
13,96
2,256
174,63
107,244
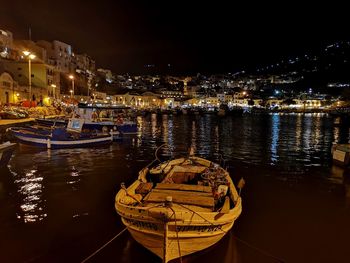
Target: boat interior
189,181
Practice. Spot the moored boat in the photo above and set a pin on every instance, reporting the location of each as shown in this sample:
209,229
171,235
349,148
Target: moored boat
71,136
341,154
179,207
110,117
6,151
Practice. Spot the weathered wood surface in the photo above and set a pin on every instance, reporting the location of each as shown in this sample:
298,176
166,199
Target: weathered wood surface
181,197
174,192
184,187
144,188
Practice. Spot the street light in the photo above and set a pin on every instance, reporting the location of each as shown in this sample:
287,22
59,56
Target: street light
54,90
30,57
72,91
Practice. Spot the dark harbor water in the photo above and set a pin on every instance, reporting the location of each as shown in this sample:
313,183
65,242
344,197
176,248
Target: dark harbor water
58,205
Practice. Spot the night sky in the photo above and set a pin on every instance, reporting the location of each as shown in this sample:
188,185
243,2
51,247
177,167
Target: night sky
213,37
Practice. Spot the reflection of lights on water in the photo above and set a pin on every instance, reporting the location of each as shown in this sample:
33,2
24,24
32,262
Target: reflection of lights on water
216,134
75,177
170,133
154,126
193,137
298,130
140,125
274,137
307,134
80,215
74,173
30,189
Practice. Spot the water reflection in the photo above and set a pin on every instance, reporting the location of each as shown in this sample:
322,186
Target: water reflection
291,143
274,137
72,190
30,190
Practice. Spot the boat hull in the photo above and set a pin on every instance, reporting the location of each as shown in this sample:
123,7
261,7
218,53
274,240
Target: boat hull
189,242
189,223
125,128
46,142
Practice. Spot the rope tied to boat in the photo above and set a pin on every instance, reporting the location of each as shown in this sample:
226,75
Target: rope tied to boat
177,234
239,239
259,249
194,212
106,244
168,204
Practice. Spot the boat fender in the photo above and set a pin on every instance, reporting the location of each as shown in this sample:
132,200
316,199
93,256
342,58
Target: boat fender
222,190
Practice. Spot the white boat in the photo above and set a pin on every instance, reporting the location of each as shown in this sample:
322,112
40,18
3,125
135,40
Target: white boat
60,137
110,118
179,207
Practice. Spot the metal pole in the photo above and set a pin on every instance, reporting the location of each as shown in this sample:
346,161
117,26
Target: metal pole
73,86
30,79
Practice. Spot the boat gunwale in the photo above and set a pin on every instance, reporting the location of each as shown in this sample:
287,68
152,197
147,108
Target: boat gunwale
142,178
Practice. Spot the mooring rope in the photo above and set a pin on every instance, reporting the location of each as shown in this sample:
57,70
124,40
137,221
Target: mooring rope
259,249
106,244
177,234
239,239
194,212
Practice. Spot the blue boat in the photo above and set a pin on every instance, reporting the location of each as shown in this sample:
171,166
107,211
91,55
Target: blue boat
99,117
6,151
71,136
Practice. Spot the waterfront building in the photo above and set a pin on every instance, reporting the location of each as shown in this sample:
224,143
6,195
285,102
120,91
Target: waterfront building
9,92
151,100
309,103
221,97
211,102
229,99
174,94
42,78
274,102
144,100
59,54
84,62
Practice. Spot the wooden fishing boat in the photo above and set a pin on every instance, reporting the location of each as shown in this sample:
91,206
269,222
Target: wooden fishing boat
179,207
61,137
6,151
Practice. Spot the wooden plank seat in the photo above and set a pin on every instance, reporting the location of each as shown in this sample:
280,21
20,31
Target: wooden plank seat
185,197
185,187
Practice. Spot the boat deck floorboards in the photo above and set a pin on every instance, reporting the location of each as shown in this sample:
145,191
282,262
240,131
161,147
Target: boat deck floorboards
199,198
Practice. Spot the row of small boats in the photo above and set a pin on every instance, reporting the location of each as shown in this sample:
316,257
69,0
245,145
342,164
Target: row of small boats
91,126
72,135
